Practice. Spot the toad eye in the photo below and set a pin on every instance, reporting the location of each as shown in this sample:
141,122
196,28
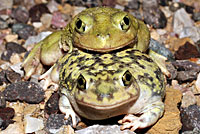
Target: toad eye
125,23
127,78
80,26
81,82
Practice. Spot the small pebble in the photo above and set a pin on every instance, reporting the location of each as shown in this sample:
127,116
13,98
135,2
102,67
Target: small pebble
21,14
6,114
150,3
17,26
172,71
6,4
14,47
12,76
11,48
36,39
37,11
11,37
3,77
190,118
2,101
153,15
161,49
181,19
194,131
46,20
196,16
37,24
51,106
25,32
55,122
29,92
186,65
191,32
3,24
187,51
188,99
52,6
58,21
33,124
175,6
133,4
186,70
6,55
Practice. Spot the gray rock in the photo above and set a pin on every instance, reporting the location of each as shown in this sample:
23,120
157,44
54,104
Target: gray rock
161,49
3,24
55,122
149,3
196,16
29,92
2,101
133,4
190,118
21,14
184,26
186,70
6,4
36,39
153,15
192,32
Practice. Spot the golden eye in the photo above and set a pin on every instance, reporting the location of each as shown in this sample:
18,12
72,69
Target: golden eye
127,78
81,82
80,26
125,23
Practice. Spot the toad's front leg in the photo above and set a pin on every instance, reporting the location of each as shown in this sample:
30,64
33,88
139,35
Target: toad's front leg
149,116
66,108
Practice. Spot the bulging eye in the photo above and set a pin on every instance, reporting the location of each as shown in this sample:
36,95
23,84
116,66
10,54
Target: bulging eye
127,78
81,82
80,26
125,23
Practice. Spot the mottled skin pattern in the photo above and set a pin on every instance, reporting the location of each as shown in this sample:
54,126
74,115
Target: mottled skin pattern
124,82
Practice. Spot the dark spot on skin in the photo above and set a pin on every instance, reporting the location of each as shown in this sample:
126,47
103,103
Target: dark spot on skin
147,59
105,57
97,59
140,65
83,67
121,66
138,57
72,62
153,85
81,58
158,73
87,59
63,73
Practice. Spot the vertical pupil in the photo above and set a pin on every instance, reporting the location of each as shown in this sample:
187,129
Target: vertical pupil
128,77
80,81
79,24
126,20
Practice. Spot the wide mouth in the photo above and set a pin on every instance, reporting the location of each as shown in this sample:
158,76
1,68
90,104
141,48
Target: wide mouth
105,49
108,106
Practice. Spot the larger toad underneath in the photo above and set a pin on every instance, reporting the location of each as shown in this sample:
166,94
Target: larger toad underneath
100,86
